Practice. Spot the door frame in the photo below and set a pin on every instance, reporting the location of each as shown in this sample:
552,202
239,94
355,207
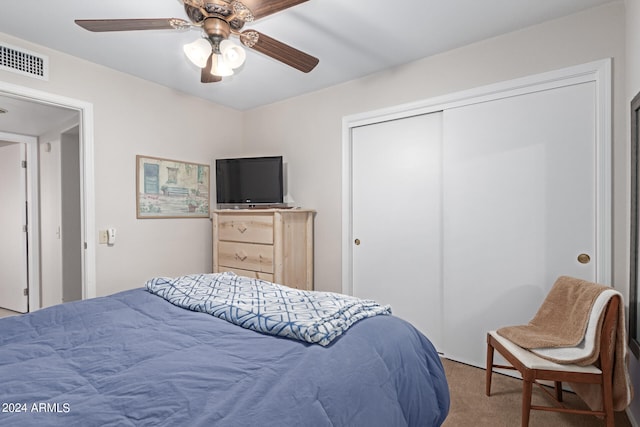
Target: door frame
599,72
87,188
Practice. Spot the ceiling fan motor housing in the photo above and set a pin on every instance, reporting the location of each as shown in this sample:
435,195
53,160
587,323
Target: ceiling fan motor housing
219,9
216,29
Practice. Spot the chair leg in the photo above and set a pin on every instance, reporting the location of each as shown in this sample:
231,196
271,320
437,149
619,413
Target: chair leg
527,386
489,367
607,402
558,387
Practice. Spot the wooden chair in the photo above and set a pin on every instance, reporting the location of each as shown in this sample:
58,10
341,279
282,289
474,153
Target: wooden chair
534,368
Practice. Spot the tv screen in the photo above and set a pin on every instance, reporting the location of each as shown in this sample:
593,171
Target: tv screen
249,180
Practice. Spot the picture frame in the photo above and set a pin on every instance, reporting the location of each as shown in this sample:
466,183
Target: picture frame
168,188
634,282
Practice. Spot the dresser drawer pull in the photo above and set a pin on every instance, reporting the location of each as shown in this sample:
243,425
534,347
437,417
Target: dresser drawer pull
242,228
241,255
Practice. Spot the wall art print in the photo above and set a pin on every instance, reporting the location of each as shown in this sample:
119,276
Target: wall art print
171,188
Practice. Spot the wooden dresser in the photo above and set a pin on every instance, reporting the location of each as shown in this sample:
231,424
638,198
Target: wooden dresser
270,244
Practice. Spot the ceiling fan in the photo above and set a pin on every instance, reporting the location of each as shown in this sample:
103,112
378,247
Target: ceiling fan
214,53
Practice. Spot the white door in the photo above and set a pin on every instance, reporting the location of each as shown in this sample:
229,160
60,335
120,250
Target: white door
519,208
396,217
13,219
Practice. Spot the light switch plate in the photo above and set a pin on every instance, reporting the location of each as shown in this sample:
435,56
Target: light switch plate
102,237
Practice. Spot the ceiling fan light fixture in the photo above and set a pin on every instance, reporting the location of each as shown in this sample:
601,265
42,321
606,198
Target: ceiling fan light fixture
232,54
219,67
198,52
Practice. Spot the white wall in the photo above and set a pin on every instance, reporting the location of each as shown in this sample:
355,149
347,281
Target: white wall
307,129
71,218
133,116
50,223
632,88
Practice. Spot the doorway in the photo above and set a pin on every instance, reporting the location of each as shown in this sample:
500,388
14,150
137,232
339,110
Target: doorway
81,129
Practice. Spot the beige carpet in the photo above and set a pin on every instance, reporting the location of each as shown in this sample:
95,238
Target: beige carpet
7,313
471,407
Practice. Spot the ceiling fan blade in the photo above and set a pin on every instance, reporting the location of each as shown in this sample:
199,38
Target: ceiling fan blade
262,8
205,74
278,50
101,25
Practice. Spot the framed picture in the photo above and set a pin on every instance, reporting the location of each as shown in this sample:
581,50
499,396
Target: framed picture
634,279
171,188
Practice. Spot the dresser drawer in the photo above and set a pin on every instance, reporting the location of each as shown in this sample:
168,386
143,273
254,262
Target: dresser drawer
246,228
247,273
245,256
275,245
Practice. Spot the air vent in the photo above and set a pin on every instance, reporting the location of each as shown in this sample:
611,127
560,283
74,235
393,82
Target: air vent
24,62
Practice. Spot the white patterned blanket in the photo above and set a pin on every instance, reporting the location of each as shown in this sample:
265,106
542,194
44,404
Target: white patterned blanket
311,316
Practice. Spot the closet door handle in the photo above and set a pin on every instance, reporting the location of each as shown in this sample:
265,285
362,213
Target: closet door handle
584,258
357,242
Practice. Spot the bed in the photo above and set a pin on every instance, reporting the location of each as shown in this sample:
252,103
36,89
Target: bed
136,359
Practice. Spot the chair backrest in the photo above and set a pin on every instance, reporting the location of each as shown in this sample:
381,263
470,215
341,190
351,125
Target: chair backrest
608,336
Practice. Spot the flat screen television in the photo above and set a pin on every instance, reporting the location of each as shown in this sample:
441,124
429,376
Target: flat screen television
249,182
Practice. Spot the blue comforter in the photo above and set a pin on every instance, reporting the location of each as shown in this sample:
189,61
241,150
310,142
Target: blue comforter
134,359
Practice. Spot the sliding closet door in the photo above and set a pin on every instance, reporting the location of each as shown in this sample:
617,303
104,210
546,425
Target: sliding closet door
519,209
396,217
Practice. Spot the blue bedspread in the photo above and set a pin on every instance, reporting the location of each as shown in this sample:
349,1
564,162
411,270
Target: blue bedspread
311,316
133,359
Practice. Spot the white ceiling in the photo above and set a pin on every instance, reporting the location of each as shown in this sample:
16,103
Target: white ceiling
27,117
351,38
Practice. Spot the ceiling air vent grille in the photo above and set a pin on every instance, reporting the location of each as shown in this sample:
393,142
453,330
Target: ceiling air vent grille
24,62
